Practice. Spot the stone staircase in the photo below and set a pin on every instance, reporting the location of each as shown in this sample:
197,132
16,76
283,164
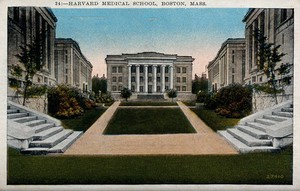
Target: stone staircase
36,133
265,131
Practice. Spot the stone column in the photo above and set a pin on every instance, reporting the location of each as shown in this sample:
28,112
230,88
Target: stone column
154,78
146,78
137,78
163,78
171,77
129,77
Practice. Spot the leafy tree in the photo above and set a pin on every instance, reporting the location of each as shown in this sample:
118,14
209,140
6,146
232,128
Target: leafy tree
31,59
268,59
126,93
99,84
199,84
172,94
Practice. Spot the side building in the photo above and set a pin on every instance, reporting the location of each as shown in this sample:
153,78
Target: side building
228,67
25,26
149,73
71,66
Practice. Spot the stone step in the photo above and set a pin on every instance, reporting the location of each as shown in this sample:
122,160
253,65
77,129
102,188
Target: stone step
25,119
42,127
287,110
35,122
35,151
248,139
53,140
253,132
283,114
275,118
257,126
65,144
10,111
16,115
265,121
243,148
47,133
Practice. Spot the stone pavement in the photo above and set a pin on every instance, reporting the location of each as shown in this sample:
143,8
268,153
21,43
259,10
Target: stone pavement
204,142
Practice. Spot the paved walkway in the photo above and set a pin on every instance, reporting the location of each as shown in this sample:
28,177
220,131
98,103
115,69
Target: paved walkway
204,142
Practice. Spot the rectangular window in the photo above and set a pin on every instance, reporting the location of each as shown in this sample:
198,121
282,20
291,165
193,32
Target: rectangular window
178,70
119,88
167,87
178,88
158,88
283,15
114,88
178,79
158,79
150,69
253,79
183,79
158,69
66,70
141,69
114,69
232,70
166,79
184,70
184,88
133,79
66,79
150,79
119,79
233,79
114,79
132,88
167,70
141,88
120,69
133,69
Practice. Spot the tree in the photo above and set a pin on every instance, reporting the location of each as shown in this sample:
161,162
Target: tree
99,84
268,59
199,84
31,59
172,94
126,93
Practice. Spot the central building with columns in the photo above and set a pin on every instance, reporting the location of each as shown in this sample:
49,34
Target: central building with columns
149,73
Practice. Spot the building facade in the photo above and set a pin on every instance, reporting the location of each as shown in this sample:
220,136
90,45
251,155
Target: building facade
26,25
277,25
149,72
71,66
228,67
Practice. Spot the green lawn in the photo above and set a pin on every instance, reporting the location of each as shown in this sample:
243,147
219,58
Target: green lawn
258,168
149,121
82,123
148,103
213,120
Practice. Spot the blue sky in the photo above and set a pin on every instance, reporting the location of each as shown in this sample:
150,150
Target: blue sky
187,32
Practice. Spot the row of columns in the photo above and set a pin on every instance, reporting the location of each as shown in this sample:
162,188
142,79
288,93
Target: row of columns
146,77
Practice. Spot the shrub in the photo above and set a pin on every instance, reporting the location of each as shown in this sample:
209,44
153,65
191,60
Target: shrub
201,96
210,101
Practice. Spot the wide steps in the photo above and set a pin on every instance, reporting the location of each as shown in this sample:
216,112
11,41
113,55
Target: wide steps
35,151
47,133
287,109
243,148
253,132
16,115
275,118
65,144
35,122
53,140
283,114
265,121
25,119
42,127
11,111
257,126
247,139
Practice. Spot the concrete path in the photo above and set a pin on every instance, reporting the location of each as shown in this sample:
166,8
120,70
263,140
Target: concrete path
204,142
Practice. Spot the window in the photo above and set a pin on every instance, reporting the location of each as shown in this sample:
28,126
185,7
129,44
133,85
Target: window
141,69
184,70
178,79
183,88
166,79
133,69
133,79
133,88
66,79
158,79
253,79
167,87
141,88
178,88
233,79
232,70
114,69
114,88
150,79
158,88
261,79
119,88
120,79
184,79
141,79
158,69
150,69
114,79
120,69
167,70
283,15
178,70
232,58
66,70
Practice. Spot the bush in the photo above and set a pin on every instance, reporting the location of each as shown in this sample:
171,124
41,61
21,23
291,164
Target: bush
234,100
201,96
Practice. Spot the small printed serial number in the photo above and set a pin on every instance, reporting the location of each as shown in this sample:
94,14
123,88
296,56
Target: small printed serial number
275,176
